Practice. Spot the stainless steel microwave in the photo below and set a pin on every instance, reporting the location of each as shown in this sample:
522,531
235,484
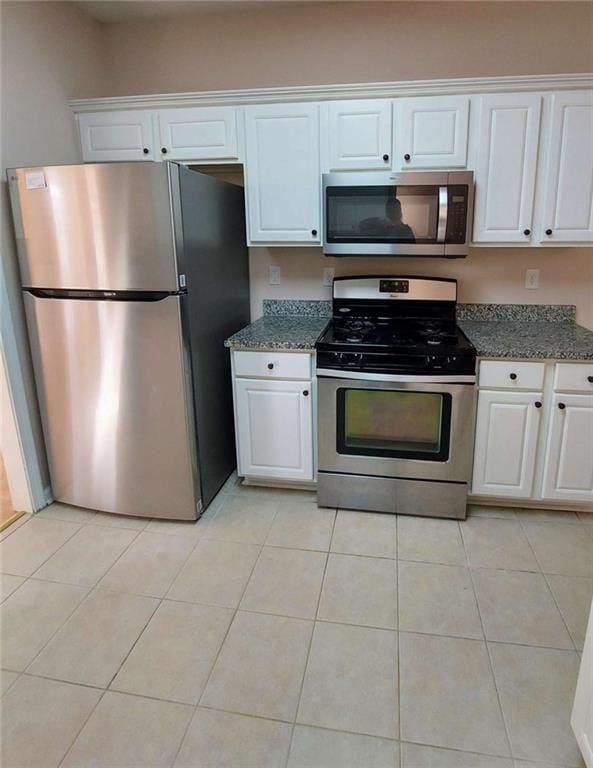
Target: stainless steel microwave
425,213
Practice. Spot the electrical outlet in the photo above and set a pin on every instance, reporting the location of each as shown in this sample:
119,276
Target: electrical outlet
274,275
328,276
532,278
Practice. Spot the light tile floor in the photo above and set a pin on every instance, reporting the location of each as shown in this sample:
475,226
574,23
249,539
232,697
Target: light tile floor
272,633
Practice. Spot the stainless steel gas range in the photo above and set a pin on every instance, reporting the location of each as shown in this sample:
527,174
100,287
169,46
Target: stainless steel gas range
396,398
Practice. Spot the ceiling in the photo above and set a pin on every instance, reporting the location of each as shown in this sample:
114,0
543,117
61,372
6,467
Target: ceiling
112,11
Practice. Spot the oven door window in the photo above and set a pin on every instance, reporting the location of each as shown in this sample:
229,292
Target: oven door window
394,423
382,214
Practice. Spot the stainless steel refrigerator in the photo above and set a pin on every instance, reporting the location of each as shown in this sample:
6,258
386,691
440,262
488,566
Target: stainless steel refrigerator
133,274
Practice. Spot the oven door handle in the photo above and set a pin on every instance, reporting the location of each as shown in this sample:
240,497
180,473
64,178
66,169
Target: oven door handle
443,206
328,373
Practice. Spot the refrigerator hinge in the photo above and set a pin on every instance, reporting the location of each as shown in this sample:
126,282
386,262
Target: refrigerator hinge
200,506
182,282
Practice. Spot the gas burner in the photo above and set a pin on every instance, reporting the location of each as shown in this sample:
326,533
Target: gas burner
434,341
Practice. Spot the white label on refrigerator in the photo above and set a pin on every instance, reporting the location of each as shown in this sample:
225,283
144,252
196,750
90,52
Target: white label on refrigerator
35,180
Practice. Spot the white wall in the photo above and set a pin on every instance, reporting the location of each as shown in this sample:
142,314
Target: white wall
51,51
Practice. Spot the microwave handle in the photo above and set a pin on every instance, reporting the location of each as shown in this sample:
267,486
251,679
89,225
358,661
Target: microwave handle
442,223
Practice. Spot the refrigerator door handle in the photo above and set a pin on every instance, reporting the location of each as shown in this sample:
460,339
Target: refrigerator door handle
79,294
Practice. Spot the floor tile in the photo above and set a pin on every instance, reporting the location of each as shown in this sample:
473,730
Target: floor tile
547,516
128,731
174,655
437,599
59,511
351,680
430,541
286,582
532,764
260,667
536,687
32,544
224,740
18,523
302,526
518,607
187,529
119,521
448,697
573,598
364,533
320,748
418,756
478,510
246,520
491,543
86,556
149,565
41,719
216,573
7,678
8,584
360,590
31,615
563,549
93,643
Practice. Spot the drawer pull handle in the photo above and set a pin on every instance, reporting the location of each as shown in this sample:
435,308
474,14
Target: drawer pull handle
306,392
512,376
561,406
590,379
538,404
271,366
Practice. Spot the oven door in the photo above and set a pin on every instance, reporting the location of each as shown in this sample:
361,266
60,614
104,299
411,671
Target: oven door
411,429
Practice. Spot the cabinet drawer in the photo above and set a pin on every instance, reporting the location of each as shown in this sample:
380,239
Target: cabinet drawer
573,377
273,365
511,375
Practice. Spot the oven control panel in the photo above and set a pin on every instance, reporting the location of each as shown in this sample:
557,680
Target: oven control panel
394,286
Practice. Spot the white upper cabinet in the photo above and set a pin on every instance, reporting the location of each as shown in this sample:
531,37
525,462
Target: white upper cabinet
200,133
568,472
568,198
112,136
506,162
359,135
431,132
282,171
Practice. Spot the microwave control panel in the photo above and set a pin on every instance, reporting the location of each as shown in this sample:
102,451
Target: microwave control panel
456,214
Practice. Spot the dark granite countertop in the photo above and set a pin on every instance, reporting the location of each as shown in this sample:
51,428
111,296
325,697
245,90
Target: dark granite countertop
529,339
280,332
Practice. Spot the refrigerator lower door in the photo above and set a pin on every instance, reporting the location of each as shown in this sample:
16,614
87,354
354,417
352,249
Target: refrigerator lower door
114,386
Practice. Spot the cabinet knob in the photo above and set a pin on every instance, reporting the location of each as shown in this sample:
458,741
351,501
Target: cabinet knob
561,406
512,376
306,392
538,404
164,150
407,158
314,232
270,366
526,232
590,379
385,157
145,150
548,232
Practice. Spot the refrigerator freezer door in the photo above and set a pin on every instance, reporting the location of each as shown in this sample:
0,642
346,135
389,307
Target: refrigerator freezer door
114,387
94,227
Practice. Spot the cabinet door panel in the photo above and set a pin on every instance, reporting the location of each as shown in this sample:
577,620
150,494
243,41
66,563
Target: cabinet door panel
283,173
507,427
112,136
359,135
568,199
274,423
201,133
432,132
508,137
568,472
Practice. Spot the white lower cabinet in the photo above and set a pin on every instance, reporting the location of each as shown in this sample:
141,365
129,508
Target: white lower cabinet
274,420
568,472
507,429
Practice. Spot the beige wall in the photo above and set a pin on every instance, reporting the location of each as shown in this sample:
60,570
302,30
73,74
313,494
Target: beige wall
51,51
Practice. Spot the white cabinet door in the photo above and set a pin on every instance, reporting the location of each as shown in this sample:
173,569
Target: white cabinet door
568,471
111,136
506,160
275,428
282,169
359,135
582,710
568,197
507,427
431,132
200,133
